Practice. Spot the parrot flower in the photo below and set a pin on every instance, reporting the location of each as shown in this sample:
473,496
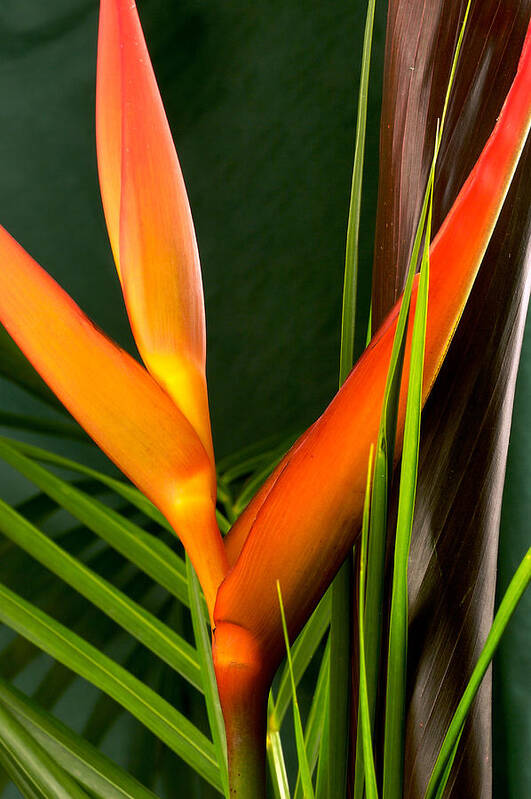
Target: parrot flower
154,423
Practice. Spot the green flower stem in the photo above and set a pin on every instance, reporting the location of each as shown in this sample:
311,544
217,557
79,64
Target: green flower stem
243,683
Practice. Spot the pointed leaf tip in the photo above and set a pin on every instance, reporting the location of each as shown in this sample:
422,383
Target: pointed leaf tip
148,215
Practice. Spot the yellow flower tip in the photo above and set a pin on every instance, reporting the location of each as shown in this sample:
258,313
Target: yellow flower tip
185,382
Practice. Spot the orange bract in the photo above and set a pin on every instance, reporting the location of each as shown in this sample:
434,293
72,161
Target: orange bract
300,528
148,216
118,403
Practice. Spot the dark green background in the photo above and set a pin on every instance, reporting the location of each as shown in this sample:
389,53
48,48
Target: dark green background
261,100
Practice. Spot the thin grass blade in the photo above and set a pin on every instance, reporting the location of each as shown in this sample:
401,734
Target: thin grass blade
466,421
448,768
366,734
275,753
386,439
512,596
207,675
304,767
395,705
314,730
302,653
321,782
342,587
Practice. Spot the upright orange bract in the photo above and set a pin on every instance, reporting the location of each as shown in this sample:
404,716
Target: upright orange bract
148,216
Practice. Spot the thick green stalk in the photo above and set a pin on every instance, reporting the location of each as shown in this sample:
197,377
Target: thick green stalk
246,762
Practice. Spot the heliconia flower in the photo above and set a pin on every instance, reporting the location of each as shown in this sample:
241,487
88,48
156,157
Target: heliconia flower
154,423
299,528
148,216
156,427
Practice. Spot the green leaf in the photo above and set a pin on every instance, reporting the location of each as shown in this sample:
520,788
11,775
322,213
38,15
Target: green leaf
512,596
254,458
275,753
125,490
382,475
19,652
314,731
448,768
339,695
348,320
147,629
39,424
208,677
304,767
259,448
38,769
142,549
302,652
87,661
341,618
374,598
75,614
105,711
395,704
14,773
103,634
323,763
94,771
366,734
